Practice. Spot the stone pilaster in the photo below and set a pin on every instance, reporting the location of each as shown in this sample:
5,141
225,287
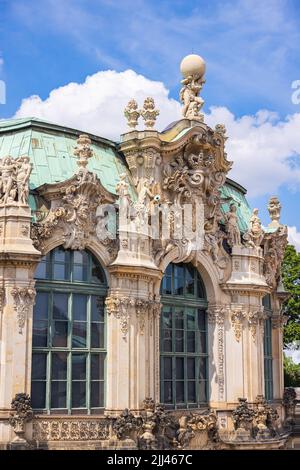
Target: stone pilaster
18,260
132,338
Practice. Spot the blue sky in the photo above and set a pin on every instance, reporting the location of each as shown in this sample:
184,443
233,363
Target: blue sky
251,48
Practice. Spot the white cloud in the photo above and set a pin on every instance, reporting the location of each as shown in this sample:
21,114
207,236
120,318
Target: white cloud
265,150
294,237
97,105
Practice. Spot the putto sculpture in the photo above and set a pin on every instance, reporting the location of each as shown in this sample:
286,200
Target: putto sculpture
192,68
14,178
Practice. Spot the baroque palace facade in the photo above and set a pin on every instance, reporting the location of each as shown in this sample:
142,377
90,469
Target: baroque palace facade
140,295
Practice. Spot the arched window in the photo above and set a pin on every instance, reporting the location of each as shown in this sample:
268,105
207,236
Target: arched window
268,358
68,344
183,338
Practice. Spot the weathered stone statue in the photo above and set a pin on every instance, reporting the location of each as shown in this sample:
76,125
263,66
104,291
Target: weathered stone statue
192,68
14,179
232,228
255,234
242,418
274,208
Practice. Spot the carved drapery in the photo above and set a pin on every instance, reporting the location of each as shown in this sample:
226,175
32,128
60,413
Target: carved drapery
23,300
237,316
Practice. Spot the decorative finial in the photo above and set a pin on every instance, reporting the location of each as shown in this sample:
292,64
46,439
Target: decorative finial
192,68
83,150
274,208
149,113
132,114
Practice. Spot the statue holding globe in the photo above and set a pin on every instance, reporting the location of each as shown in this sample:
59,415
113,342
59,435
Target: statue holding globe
192,68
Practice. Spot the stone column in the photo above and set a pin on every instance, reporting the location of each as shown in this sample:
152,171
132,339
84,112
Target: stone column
18,260
132,338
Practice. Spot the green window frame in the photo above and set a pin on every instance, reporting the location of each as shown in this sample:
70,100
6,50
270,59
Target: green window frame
268,357
69,334
183,339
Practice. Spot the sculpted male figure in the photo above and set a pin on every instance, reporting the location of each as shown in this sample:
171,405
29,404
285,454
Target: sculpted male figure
233,231
7,169
23,173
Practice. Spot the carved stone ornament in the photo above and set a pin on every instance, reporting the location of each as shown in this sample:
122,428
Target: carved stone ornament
216,315
14,181
74,429
278,321
21,414
73,212
83,150
255,234
274,208
255,317
149,113
23,301
123,307
192,68
132,114
289,402
232,227
237,315
274,247
265,419
242,418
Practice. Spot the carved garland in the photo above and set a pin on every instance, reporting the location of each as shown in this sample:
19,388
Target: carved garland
23,301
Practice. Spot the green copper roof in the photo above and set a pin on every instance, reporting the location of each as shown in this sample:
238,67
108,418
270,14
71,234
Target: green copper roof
50,148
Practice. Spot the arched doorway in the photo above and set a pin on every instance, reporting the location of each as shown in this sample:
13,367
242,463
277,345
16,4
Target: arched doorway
183,338
69,344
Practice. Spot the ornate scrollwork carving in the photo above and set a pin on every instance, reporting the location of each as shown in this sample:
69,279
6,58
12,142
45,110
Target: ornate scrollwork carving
74,429
23,301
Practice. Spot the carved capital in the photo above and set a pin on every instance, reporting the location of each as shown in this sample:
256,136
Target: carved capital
255,316
23,300
237,316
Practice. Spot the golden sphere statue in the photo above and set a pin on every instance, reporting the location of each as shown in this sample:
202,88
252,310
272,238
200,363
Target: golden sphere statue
192,64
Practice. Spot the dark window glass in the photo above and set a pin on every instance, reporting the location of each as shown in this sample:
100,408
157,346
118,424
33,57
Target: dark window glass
183,337
79,307
67,318
58,394
78,394
78,366
39,366
167,361
38,394
59,366
60,306
40,334
60,334
40,309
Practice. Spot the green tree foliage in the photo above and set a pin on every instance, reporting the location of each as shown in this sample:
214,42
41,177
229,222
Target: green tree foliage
291,281
291,373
